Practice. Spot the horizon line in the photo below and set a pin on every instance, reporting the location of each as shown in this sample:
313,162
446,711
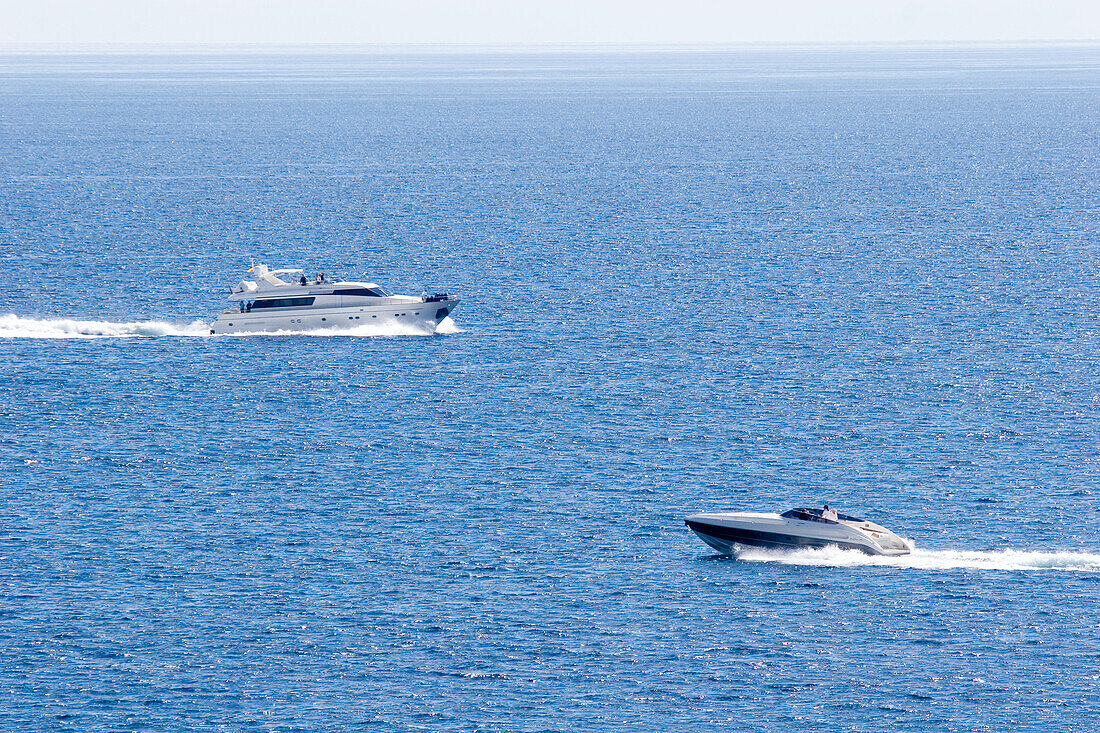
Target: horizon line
127,48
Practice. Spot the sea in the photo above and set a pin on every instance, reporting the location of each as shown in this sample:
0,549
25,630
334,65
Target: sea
743,278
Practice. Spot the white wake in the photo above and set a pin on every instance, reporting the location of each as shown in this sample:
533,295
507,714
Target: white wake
382,329
13,327
18,327
930,559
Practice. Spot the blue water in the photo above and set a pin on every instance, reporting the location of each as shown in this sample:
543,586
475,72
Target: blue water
713,279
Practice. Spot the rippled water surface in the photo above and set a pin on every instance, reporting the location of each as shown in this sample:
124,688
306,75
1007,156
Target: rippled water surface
690,281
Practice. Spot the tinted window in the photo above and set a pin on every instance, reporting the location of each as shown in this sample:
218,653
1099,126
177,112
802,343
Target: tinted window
806,514
362,292
282,303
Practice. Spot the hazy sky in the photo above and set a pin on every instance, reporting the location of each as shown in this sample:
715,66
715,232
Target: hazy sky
68,22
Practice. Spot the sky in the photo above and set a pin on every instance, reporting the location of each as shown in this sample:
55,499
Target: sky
520,22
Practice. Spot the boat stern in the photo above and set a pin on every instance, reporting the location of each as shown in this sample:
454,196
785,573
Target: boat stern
884,542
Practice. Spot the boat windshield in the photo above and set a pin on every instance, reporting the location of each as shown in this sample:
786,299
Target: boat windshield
813,514
806,514
363,292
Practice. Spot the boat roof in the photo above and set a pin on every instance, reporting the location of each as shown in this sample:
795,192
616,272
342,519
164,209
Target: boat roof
267,282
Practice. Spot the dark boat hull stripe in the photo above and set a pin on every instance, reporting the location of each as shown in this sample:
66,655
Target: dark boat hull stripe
755,538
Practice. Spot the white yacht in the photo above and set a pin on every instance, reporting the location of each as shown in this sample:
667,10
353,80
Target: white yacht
794,528
270,303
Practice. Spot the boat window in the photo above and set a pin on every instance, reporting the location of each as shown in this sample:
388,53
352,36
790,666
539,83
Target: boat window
282,302
806,514
361,292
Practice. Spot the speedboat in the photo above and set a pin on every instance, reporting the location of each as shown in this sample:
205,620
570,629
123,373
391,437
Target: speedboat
795,528
269,303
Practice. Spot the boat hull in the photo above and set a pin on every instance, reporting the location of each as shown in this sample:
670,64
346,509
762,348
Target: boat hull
422,316
725,534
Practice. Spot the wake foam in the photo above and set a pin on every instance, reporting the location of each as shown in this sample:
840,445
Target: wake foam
13,326
382,329
930,559
16,327
447,327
